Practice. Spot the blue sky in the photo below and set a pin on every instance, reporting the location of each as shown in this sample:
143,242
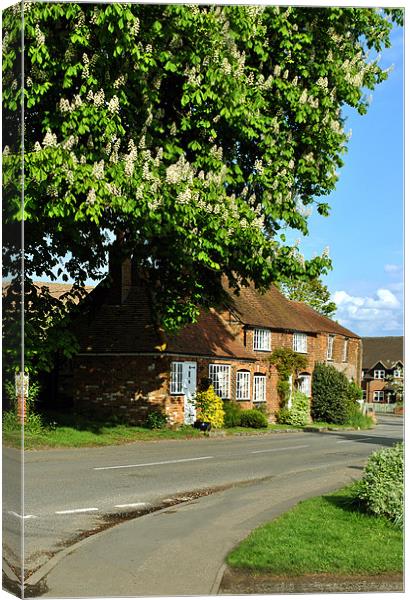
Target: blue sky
365,228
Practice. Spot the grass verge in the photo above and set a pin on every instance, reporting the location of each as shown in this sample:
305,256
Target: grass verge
326,534
75,431
108,435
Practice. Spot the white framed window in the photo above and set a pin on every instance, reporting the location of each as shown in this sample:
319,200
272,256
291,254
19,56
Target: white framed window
379,374
259,388
243,385
330,342
398,373
345,349
304,384
176,378
220,376
261,339
378,396
300,342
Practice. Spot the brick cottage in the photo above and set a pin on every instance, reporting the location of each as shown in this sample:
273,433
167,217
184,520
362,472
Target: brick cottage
127,365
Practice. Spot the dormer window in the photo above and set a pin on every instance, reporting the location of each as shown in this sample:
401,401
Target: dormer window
262,339
398,373
300,342
379,374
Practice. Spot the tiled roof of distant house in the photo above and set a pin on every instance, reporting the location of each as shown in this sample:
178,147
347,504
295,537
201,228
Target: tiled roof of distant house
387,350
56,289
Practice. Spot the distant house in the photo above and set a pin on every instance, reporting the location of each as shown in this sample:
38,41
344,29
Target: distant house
383,366
127,364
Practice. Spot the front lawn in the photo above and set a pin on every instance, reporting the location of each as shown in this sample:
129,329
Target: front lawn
326,534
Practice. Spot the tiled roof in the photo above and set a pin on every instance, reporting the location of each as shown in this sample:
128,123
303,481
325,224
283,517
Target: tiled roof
387,350
131,328
274,311
56,289
106,326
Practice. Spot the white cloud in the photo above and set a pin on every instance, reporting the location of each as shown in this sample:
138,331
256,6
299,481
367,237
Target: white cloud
378,315
391,268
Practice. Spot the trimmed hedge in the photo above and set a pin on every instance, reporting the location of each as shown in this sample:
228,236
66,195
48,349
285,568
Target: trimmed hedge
332,395
381,489
253,418
232,414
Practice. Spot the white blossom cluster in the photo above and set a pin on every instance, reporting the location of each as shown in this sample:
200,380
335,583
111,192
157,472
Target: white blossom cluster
91,197
130,158
70,142
67,107
86,68
113,105
135,27
39,36
98,170
113,189
50,139
180,171
119,82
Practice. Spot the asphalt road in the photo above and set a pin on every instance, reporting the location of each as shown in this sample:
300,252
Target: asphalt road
68,492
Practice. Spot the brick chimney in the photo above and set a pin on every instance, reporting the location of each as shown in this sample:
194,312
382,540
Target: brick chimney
121,273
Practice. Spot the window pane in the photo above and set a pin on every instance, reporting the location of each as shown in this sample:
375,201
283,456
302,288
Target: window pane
243,385
261,339
330,340
259,388
176,378
300,342
220,378
304,384
345,350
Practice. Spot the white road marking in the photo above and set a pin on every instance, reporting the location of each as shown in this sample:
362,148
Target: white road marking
279,449
354,440
75,510
11,512
132,505
152,464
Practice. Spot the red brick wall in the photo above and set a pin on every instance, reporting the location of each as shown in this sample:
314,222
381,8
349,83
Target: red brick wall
129,386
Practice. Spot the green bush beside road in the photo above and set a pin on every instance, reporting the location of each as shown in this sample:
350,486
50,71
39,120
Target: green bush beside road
381,489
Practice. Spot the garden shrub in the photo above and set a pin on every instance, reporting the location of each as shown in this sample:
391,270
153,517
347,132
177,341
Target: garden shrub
209,407
156,419
33,423
253,418
331,395
298,413
283,416
381,490
232,414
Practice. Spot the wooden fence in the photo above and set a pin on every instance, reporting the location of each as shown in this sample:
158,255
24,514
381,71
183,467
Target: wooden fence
380,407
